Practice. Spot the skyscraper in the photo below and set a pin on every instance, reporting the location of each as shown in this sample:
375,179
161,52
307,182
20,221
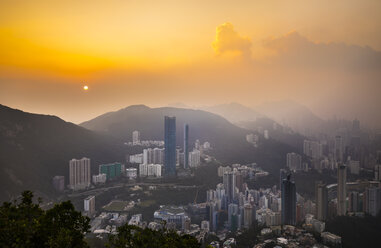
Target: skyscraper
229,181
288,202
341,189
170,145
294,161
79,173
338,152
186,146
321,197
373,201
248,215
135,137
282,175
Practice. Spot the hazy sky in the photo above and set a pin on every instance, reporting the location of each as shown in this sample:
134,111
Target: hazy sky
324,54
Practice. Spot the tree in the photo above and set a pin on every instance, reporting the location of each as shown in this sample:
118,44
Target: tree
25,224
132,236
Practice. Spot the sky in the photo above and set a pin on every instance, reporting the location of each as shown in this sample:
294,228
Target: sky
323,54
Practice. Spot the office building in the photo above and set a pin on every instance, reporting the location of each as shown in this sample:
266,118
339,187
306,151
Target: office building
59,183
282,176
373,201
229,181
153,156
158,156
99,179
112,170
150,170
338,149
248,215
288,202
194,158
79,173
186,146
221,170
294,161
341,190
321,199
136,158
233,212
170,146
354,167
178,152
135,137
377,172
354,203
312,149
89,205
204,225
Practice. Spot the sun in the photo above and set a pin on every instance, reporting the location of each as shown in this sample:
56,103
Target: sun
85,87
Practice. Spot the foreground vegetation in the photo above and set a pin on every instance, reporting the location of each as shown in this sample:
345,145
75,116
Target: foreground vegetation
357,231
24,223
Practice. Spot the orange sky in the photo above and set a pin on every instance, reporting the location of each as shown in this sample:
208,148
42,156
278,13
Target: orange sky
196,52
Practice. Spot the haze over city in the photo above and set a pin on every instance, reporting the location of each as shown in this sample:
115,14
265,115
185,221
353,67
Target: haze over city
190,124
322,54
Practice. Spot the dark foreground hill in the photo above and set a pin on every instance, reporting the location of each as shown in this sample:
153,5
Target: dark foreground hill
228,141
34,148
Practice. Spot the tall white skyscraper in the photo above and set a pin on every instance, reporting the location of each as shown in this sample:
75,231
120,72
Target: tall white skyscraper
79,173
135,137
194,158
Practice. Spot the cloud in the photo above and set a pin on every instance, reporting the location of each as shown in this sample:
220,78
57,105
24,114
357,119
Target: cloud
294,49
228,40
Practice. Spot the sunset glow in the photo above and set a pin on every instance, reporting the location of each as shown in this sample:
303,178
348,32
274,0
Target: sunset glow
133,49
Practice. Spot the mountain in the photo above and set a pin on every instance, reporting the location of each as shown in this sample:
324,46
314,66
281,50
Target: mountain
203,125
292,114
228,141
34,148
234,112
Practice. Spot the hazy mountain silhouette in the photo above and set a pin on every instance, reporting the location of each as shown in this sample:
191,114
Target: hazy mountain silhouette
228,141
292,114
203,125
34,148
234,112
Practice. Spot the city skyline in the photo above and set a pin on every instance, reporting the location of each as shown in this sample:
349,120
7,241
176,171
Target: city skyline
190,124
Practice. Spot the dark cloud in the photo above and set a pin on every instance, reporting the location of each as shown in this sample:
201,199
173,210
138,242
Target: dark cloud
294,49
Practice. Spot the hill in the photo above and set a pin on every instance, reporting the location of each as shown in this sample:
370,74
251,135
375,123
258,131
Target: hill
34,148
228,141
294,115
234,112
250,119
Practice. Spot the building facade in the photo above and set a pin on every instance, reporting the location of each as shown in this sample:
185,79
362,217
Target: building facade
59,183
341,190
288,202
186,146
112,170
170,145
79,173
89,205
